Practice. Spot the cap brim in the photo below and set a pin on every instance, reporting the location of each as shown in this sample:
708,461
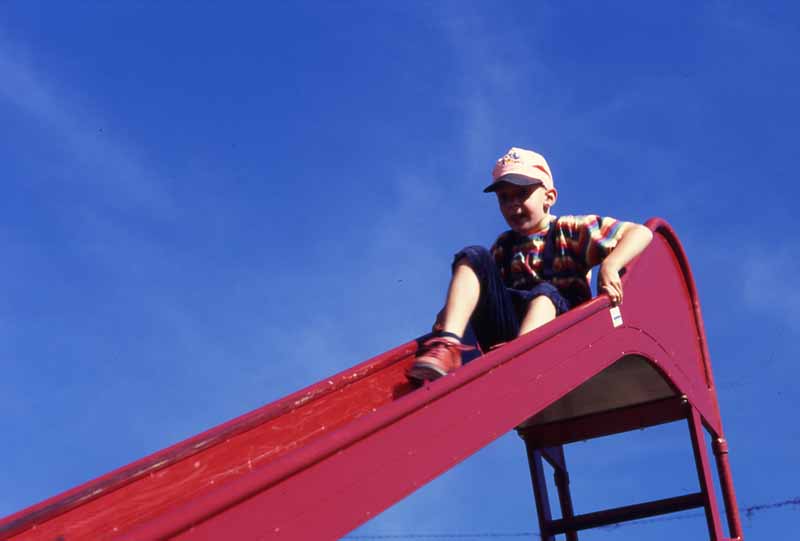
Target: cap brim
519,180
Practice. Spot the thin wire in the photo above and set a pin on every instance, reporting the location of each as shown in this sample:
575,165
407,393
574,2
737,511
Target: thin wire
747,511
483,535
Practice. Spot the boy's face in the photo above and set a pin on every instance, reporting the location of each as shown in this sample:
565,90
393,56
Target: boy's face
525,208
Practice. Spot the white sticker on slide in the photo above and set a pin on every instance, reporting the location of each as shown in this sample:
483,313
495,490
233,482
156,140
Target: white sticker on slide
616,316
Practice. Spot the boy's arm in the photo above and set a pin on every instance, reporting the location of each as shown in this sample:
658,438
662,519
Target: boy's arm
634,239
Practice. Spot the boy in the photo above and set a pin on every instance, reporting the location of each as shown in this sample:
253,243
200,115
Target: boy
533,273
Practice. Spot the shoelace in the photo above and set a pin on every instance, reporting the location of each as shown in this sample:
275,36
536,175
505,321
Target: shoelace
434,351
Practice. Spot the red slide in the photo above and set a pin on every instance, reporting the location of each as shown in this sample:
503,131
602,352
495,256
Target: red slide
320,462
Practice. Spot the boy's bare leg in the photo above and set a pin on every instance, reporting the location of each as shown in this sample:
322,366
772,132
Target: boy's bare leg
540,311
462,298
442,354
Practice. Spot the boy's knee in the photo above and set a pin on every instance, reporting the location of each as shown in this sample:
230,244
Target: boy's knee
543,300
546,295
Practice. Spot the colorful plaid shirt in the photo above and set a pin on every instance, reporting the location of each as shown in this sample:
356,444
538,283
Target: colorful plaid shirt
580,243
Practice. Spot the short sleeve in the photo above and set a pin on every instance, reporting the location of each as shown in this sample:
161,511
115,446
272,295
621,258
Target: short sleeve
592,237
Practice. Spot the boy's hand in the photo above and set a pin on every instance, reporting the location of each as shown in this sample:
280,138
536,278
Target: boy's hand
634,240
610,282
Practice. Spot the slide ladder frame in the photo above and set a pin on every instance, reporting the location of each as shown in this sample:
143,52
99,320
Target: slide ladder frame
546,443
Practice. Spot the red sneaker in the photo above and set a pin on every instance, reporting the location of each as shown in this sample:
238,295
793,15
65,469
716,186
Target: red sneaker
436,358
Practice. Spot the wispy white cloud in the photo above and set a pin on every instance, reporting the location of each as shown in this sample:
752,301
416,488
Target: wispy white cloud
510,95
768,285
117,169
501,83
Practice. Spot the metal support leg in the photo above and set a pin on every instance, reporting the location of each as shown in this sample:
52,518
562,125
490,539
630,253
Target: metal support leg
540,491
726,484
704,475
561,477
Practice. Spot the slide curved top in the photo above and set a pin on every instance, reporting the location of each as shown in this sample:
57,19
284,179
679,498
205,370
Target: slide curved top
329,457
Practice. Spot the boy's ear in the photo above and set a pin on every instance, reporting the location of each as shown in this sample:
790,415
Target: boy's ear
550,198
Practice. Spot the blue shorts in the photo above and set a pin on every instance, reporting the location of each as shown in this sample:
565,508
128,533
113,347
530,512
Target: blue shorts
500,309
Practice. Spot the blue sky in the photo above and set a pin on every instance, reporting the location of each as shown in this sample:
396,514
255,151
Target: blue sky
205,208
